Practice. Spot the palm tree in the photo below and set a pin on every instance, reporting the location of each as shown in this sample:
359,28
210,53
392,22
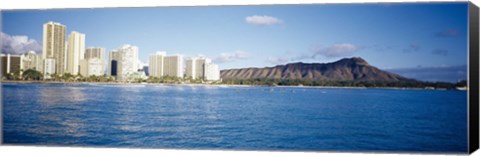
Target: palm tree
31,74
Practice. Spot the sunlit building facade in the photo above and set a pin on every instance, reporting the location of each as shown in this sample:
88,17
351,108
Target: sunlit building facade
54,45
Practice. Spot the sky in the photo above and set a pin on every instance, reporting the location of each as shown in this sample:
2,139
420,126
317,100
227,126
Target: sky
388,36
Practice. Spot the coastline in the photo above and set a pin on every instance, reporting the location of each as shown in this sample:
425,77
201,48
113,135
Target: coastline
217,85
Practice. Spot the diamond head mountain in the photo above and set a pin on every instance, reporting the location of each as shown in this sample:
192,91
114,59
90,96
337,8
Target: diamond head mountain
347,69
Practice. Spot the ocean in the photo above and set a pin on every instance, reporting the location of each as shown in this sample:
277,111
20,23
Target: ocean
235,117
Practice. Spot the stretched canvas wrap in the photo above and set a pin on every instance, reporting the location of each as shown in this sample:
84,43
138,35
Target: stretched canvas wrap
373,77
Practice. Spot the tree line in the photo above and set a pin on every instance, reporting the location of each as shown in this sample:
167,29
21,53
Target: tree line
34,75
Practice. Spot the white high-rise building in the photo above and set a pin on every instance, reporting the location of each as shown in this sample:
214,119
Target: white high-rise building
212,73
200,67
91,66
54,45
94,52
31,60
49,66
191,68
196,67
75,52
173,66
123,62
155,64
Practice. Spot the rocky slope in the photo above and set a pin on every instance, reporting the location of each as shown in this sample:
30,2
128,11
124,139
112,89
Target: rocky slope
345,69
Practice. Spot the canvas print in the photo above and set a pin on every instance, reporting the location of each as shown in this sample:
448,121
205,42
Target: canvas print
375,77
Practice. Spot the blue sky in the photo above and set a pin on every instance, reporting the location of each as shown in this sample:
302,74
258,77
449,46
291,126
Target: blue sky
388,36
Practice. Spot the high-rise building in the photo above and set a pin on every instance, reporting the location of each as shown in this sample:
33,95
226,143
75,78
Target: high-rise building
95,52
123,62
75,52
54,45
11,63
31,60
155,64
49,66
173,66
191,68
112,63
196,67
212,73
202,68
91,66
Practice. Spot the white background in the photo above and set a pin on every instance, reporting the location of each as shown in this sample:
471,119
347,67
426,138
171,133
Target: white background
74,151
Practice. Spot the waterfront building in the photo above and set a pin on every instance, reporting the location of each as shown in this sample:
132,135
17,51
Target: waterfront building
10,63
162,65
91,66
123,62
191,68
155,64
54,45
202,68
75,52
94,52
212,73
49,66
173,66
112,63
32,60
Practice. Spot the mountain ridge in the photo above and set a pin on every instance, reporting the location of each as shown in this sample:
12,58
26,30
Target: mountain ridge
346,69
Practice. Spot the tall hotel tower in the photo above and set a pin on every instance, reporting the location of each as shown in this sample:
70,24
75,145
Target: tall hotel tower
95,52
93,63
196,67
202,68
173,66
123,62
75,52
160,65
54,46
155,64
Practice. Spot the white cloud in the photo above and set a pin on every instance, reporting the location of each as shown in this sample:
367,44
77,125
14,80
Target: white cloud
277,60
262,20
336,50
231,57
19,44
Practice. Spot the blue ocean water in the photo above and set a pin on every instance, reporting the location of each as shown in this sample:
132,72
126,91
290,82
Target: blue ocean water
238,118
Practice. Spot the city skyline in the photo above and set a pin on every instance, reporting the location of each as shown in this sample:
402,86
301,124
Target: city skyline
387,36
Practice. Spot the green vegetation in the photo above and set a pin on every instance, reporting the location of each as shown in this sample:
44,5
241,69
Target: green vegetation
34,75
31,74
368,84
173,80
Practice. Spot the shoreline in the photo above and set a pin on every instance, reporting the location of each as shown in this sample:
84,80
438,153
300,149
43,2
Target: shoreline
217,85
